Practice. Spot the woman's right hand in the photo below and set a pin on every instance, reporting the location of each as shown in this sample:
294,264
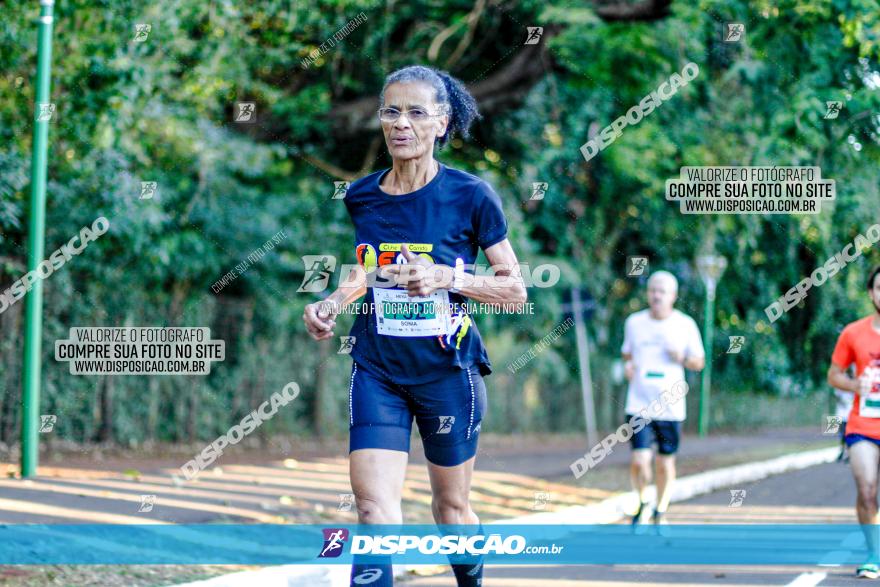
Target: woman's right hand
320,318
866,381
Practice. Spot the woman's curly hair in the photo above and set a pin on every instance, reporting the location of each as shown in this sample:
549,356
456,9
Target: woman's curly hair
448,91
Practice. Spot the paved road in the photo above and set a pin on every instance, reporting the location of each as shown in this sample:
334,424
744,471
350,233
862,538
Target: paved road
251,487
822,494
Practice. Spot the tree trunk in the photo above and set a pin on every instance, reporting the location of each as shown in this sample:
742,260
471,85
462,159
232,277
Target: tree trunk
153,390
105,405
10,380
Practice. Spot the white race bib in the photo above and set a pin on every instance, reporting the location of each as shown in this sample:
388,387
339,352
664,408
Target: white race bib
657,378
398,314
869,405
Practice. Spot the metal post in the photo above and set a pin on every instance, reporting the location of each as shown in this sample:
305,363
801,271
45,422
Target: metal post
30,413
710,267
583,348
706,380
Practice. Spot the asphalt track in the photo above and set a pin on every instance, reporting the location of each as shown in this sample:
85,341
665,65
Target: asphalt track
818,495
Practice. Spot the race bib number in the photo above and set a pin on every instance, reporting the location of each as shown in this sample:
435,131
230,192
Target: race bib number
869,405
658,378
398,314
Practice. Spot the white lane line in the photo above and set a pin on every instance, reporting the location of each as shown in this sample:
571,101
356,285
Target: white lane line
808,580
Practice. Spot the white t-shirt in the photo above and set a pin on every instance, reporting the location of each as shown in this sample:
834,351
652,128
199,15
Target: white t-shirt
647,340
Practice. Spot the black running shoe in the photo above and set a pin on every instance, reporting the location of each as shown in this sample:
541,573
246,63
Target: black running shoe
637,519
660,523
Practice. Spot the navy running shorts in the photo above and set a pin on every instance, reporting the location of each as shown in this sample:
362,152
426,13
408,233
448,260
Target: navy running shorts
448,412
666,432
851,439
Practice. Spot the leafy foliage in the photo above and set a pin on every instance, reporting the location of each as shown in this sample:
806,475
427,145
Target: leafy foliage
162,111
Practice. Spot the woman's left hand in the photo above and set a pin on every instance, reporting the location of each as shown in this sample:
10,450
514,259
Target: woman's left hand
418,275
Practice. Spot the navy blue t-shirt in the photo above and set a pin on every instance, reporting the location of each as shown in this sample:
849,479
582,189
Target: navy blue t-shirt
450,218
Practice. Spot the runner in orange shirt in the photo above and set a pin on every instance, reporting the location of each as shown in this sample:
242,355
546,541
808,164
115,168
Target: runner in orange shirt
859,344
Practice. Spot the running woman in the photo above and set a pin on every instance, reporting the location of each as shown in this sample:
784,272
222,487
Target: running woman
659,343
417,226
859,345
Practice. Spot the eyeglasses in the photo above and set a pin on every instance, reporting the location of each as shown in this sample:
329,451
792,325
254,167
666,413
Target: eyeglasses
415,115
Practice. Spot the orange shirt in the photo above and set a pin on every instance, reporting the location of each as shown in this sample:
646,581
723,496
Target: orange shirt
859,343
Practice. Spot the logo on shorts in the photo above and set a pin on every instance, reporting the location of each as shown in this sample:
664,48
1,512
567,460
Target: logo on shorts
334,540
446,423
477,427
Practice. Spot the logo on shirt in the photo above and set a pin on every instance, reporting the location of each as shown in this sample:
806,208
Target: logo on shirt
389,253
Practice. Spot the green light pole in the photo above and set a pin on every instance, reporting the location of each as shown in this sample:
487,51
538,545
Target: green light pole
43,111
710,268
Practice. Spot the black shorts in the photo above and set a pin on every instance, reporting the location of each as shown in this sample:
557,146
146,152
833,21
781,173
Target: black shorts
666,433
448,412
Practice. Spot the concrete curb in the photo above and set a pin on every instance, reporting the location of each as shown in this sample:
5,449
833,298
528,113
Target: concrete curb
616,507
605,512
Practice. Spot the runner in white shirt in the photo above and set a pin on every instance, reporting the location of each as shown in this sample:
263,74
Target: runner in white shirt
659,343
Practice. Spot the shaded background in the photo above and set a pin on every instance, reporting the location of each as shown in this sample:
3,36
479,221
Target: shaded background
162,110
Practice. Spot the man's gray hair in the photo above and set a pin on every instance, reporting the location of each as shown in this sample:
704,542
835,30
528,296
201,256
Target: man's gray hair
665,276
